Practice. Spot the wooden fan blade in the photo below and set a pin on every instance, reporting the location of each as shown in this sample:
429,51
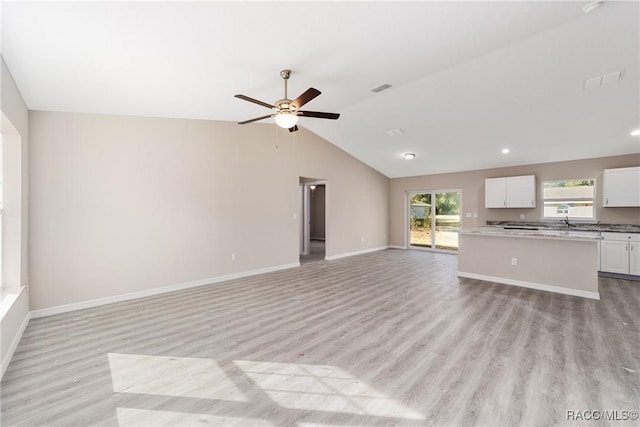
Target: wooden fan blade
255,101
307,96
255,120
319,115
294,128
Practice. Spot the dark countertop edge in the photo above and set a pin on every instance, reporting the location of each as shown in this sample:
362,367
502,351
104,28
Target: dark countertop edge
614,228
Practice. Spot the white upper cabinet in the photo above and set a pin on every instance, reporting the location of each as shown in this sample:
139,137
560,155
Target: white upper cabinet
495,193
510,192
621,187
521,191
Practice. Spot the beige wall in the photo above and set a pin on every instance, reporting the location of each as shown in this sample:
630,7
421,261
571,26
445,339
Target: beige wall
127,204
472,186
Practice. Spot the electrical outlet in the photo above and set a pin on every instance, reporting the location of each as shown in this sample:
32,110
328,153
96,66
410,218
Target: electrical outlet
362,239
234,256
514,261
475,214
521,216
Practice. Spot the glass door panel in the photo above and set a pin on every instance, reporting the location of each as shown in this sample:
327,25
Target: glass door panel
420,221
447,222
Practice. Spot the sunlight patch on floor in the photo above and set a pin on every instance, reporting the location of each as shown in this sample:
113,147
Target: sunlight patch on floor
171,376
130,417
322,388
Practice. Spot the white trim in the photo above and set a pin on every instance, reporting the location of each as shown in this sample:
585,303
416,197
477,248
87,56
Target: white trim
306,219
397,247
532,285
348,254
14,344
155,291
7,298
430,249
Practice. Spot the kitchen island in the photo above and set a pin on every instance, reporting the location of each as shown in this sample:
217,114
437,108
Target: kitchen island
560,261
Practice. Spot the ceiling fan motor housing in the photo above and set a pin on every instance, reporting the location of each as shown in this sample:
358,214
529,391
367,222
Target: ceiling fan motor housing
284,105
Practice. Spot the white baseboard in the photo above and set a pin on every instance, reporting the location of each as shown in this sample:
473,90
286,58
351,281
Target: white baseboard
397,247
14,344
532,285
155,291
364,251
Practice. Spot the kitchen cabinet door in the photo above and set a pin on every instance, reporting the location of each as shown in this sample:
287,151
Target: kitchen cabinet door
521,191
495,193
621,187
614,256
634,258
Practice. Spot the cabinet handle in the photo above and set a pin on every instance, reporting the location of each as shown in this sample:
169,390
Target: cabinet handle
606,201
532,203
505,203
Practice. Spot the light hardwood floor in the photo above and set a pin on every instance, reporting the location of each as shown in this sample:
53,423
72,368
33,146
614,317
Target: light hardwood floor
387,338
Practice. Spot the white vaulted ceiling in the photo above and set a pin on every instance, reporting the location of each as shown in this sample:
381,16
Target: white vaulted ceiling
468,78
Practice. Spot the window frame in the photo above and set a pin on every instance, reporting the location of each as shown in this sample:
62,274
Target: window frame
582,219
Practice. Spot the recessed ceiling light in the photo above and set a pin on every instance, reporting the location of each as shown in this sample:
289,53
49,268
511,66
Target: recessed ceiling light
635,132
409,156
505,151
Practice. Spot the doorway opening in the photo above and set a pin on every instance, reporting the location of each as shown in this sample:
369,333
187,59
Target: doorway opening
434,220
313,220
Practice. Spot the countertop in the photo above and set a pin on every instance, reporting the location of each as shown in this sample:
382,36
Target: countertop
560,225
557,234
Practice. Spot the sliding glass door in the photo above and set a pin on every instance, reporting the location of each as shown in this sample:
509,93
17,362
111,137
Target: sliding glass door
434,219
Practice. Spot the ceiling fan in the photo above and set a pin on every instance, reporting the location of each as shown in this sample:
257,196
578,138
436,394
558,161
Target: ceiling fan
287,111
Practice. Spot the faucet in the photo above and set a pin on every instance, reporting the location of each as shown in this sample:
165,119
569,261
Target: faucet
566,221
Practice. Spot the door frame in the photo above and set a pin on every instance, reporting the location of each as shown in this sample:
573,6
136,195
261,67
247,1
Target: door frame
305,215
407,211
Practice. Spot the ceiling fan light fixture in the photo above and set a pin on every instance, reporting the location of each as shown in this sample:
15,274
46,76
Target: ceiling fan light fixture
286,120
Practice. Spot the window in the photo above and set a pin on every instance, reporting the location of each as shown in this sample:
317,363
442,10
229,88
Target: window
569,198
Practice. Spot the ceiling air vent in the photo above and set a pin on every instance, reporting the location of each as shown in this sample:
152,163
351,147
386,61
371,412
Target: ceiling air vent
603,80
395,132
381,88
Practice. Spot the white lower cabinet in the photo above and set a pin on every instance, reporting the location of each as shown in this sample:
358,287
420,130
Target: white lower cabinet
634,258
620,253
